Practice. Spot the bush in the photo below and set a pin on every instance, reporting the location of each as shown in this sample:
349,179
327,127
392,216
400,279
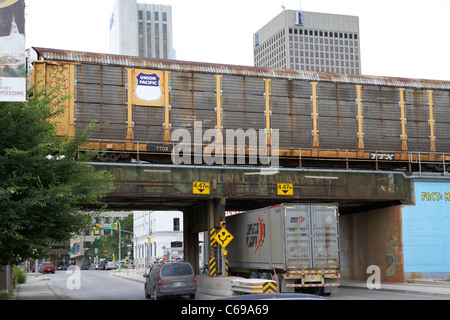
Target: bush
20,276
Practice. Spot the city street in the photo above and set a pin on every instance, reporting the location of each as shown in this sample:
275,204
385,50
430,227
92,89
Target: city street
101,285
94,285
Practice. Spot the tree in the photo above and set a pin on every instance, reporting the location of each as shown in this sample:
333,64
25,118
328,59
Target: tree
45,181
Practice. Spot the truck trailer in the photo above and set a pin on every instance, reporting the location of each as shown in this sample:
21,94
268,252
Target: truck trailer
295,244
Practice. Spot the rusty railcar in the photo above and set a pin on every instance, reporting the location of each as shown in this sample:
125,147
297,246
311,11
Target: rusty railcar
319,116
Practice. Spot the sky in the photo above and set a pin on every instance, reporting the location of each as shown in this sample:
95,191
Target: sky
399,38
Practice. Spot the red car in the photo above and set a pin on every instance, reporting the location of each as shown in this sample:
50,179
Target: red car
48,267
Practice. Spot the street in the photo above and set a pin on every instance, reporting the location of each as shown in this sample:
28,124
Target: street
97,285
101,285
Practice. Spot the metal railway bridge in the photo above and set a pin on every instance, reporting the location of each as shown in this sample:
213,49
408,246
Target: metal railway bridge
358,141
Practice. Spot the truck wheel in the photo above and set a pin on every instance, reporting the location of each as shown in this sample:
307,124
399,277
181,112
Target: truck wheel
255,275
279,279
266,275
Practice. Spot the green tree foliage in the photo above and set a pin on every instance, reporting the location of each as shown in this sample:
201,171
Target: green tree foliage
44,180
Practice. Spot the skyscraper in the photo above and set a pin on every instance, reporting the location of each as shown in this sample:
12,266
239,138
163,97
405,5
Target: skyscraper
309,41
141,29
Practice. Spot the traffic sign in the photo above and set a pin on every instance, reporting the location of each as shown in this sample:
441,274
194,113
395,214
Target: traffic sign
224,237
107,228
285,189
200,187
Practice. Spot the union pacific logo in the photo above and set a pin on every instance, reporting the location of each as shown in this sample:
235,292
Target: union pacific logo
256,233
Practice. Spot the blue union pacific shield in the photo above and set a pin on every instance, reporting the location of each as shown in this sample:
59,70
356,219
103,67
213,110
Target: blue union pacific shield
148,87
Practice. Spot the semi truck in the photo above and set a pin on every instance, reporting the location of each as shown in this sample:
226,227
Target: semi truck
297,245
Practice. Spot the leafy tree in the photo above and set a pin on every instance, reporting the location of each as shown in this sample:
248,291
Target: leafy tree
45,180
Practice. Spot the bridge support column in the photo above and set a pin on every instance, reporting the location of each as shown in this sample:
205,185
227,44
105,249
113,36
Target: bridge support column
200,218
216,213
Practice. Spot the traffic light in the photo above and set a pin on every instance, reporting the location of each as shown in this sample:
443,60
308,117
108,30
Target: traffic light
97,229
115,225
149,240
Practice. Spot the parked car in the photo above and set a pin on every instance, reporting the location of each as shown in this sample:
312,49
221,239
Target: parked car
110,265
170,279
48,267
102,265
86,266
39,268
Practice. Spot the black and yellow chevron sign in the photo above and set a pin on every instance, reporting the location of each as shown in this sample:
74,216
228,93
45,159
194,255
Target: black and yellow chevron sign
269,287
212,237
212,267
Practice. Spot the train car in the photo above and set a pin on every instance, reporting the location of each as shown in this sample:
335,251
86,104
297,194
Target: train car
142,104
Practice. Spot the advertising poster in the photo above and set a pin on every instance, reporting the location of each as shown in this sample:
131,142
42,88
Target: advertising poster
12,51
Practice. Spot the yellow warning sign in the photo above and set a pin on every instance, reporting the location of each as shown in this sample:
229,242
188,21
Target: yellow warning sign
200,187
224,237
285,189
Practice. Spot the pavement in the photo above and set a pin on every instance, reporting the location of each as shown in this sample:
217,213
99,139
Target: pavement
38,286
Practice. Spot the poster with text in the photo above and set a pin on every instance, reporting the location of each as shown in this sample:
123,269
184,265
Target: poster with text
12,51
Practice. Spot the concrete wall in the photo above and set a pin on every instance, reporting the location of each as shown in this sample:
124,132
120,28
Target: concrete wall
372,238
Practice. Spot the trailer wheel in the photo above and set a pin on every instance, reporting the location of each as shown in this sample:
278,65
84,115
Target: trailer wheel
266,275
278,278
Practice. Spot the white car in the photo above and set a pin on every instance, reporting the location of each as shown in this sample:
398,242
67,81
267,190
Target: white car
111,265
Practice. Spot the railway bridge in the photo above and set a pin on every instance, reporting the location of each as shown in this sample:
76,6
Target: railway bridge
377,146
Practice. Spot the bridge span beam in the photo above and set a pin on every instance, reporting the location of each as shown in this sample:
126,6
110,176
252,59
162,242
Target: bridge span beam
160,187
170,187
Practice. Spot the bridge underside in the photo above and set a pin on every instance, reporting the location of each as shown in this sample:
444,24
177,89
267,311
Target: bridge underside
167,187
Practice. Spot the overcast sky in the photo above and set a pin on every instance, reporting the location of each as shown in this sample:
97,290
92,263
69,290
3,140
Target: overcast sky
399,38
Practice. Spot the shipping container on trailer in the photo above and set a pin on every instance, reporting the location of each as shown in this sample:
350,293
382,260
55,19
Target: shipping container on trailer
295,244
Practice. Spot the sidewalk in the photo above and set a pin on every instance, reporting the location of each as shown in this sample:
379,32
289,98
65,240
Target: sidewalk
37,287
130,274
426,287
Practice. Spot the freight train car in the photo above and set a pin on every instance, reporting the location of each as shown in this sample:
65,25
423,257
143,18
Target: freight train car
143,104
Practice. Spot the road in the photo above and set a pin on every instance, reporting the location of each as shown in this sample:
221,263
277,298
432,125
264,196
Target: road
101,285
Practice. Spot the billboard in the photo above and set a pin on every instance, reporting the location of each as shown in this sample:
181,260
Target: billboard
12,50
426,234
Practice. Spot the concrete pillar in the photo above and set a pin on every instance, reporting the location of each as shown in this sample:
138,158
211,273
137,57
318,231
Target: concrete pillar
200,218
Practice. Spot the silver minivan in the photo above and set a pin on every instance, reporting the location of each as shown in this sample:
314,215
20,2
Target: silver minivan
170,279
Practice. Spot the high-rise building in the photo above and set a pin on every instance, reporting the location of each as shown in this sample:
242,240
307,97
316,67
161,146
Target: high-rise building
141,29
309,41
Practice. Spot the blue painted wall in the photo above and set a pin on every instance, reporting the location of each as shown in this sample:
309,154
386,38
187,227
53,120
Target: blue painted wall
426,232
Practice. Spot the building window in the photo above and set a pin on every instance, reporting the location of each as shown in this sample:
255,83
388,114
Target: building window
176,224
176,244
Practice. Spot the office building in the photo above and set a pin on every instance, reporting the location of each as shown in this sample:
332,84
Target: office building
165,229
309,41
141,29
